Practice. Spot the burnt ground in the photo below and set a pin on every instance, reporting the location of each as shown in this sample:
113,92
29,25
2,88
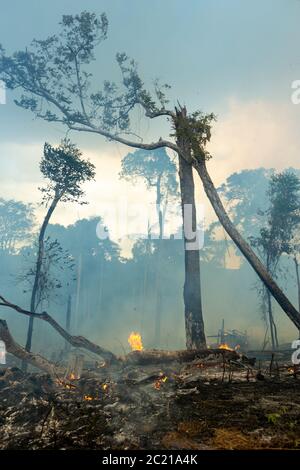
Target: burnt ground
195,406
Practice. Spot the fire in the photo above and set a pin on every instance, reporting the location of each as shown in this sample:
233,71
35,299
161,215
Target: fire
224,346
88,398
158,383
64,384
135,341
104,387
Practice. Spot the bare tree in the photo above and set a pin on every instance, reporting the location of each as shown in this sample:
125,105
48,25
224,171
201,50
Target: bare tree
57,87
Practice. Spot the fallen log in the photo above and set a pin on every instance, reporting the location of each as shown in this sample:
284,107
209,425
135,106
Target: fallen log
75,341
156,356
144,357
34,359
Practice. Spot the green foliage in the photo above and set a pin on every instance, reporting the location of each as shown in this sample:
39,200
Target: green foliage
283,217
66,171
195,129
55,80
273,418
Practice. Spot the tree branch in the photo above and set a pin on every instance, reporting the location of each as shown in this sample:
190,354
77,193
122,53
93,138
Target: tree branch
152,146
76,341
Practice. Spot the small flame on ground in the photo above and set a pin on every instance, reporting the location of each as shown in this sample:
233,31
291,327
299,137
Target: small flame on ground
88,398
104,387
158,383
66,385
225,346
135,341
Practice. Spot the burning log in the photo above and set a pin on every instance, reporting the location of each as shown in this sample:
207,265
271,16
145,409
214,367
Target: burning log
75,341
34,359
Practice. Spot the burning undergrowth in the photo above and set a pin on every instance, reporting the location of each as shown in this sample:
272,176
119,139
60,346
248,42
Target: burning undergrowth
204,404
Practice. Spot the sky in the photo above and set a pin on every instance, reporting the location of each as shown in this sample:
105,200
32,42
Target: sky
236,58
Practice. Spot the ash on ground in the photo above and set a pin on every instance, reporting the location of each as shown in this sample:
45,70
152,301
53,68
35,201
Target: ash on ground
201,405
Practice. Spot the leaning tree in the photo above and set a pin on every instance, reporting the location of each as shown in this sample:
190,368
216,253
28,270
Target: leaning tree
66,171
53,74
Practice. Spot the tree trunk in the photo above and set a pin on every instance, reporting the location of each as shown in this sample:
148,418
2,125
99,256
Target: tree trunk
244,247
195,336
271,320
68,320
157,329
159,255
194,325
298,279
38,268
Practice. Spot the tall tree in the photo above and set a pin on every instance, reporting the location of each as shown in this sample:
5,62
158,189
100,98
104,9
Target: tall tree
57,87
282,217
66,171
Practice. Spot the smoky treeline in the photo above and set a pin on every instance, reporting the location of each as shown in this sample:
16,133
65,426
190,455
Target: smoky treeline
92,289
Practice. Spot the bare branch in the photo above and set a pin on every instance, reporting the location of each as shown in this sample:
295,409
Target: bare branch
152,146
76,341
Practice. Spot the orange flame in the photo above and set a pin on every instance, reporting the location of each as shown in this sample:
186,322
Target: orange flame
135,341
88,398
158,383
224,346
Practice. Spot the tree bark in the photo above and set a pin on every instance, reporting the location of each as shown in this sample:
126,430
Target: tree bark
271,320
68,320
259,268
159,255
194,325
298,279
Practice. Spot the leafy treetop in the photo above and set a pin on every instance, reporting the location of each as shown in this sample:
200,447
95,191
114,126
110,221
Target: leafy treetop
66,171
